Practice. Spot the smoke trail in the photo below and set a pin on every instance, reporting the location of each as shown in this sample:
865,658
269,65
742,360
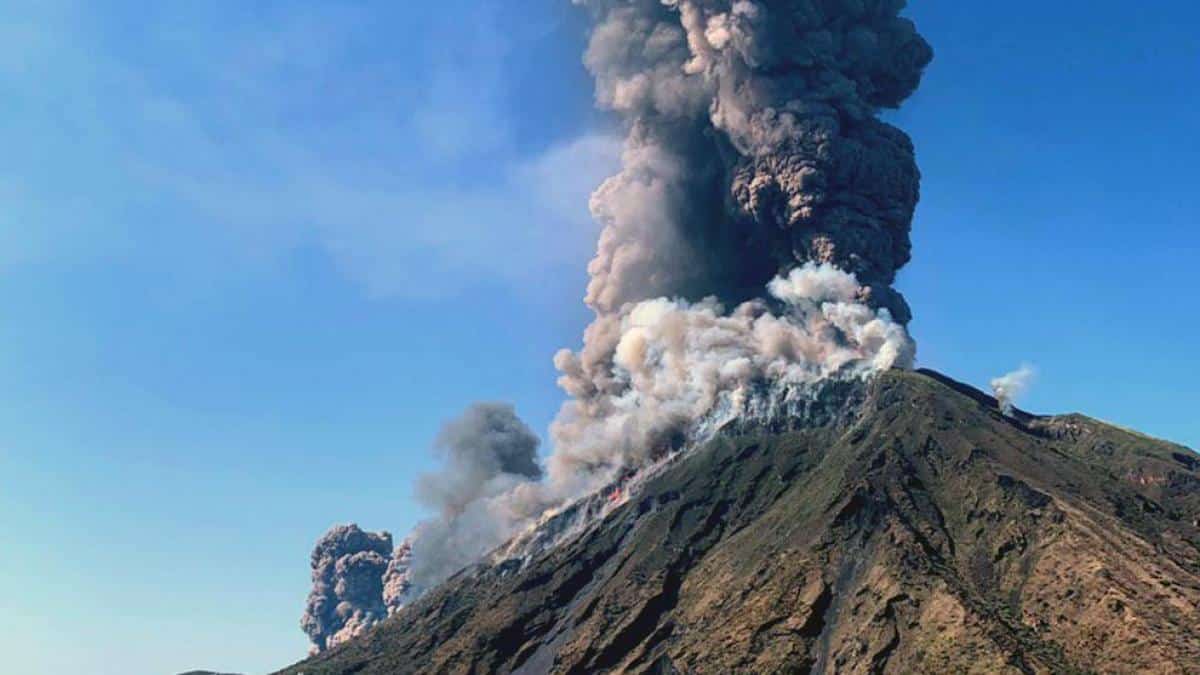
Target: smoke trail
1010,387
749,244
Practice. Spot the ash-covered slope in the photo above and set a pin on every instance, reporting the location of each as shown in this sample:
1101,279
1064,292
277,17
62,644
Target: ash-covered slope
925,533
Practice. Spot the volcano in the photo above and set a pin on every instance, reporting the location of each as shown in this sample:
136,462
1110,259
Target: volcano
906,526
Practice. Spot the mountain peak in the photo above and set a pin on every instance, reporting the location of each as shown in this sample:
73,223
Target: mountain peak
926,532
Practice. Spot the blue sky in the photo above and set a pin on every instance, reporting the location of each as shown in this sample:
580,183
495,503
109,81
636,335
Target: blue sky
252,255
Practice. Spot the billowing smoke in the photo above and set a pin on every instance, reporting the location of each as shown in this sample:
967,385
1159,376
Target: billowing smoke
358,580
490,456
486,450
347,595
754,150
675,361
397,579
749,244
753,145
1010,387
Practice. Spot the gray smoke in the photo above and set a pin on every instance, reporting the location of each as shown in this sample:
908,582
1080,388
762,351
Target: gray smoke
749,244
486,450
754,150
751,238
754,145
347,595
490,456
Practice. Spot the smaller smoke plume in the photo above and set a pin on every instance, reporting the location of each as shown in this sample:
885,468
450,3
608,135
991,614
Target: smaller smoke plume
397,580
347,596
1010,387
482,496
487,450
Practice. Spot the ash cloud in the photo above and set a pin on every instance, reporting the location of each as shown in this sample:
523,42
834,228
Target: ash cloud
678,361
754,150
358,579
347,595
748,244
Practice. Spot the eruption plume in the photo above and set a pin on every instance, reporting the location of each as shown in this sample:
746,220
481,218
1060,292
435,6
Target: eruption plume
754,159
748,245
753,145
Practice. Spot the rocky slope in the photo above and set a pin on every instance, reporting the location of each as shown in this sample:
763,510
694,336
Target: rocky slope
925,533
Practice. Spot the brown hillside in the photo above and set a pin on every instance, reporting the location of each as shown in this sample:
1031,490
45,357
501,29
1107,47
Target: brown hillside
924,533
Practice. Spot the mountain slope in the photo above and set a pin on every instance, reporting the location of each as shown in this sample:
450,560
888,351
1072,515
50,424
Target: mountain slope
924,532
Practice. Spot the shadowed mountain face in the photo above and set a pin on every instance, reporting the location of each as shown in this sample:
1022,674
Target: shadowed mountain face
924,533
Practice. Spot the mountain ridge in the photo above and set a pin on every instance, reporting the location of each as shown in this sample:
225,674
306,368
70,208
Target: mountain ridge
929,532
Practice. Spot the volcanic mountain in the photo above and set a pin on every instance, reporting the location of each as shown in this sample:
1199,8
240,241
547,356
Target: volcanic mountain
906,525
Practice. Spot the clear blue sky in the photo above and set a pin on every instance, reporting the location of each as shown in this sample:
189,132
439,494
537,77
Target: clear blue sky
252,254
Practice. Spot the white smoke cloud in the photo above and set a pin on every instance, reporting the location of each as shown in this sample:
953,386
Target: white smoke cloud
1009,388
674,361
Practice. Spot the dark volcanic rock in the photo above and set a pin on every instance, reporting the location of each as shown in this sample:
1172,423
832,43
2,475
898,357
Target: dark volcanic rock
928,534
